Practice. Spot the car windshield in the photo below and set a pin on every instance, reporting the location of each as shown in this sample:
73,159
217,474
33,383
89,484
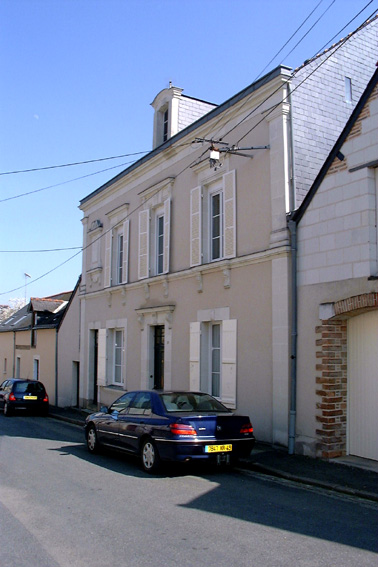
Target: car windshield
191,402
29,387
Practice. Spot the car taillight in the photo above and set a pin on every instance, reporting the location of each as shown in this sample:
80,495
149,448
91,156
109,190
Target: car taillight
46,398
181,429
247,428
11,397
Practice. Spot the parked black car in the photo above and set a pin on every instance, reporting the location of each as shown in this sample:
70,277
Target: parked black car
18,394
171,426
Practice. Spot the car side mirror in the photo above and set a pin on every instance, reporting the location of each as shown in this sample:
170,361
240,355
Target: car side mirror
104,409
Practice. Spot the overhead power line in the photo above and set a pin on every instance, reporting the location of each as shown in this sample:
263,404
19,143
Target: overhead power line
71,164
38,251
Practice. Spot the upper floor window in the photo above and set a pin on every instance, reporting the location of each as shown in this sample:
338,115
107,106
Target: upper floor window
160,244
216,225
119,259
213,221
153,257
116,255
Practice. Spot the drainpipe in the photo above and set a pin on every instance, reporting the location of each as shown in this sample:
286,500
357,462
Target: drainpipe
294,300
56,367
14,355
293,357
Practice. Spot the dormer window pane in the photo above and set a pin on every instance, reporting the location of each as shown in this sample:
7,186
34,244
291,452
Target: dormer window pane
165,125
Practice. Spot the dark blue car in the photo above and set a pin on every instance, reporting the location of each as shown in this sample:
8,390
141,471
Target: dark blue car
171,426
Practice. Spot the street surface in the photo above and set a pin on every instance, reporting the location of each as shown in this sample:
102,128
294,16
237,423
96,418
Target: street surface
62,507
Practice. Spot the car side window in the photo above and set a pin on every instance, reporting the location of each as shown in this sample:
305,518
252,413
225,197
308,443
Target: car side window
122,403
141,405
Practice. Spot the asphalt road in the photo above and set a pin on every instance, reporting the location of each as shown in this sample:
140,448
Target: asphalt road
60,506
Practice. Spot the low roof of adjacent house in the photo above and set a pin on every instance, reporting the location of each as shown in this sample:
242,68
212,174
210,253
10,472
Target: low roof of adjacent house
48,310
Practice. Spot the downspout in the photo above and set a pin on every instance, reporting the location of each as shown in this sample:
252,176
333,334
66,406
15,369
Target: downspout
294,299
56,367
293,356
14,355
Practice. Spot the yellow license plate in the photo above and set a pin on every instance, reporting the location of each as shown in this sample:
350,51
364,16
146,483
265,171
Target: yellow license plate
30,397
218,448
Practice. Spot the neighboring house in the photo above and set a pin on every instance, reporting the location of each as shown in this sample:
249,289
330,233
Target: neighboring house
337,380
186,277
41,342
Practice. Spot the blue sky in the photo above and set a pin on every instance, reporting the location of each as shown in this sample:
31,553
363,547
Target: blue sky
78,77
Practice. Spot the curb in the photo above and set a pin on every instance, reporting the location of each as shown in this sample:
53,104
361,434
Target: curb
310,481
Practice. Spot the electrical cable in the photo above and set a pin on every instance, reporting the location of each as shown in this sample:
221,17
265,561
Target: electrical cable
65,182
70,164
39,251
288,41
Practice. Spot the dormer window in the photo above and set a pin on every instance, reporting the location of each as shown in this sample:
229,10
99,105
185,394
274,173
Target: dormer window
174,112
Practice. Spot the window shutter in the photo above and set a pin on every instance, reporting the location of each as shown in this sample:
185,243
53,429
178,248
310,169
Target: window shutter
229,354
195,226
167,226
125,267
194,356
144,239
101,358
108,258
229,214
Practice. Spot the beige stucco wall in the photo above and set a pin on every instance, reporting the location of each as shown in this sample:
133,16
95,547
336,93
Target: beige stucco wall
68,355
6,355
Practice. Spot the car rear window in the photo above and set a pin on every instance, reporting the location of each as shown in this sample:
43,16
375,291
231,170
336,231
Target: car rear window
29,387
192,402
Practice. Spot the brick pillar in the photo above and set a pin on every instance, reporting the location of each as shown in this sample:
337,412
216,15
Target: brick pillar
331,382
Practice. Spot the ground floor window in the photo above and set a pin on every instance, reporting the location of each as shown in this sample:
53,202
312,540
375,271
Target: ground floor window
215,361
36,369
118,350
213,353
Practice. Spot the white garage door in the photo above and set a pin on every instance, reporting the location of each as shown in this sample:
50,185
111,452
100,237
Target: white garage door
363,385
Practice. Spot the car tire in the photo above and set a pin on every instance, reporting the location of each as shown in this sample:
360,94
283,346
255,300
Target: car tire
150,456
7,410
92,442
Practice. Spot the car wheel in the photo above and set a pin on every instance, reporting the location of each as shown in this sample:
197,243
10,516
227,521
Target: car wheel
92,442
150,456
7,410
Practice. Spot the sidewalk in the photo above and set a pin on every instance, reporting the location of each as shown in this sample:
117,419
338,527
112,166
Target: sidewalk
353,476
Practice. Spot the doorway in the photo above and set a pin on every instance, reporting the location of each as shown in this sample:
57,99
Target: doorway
159,341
